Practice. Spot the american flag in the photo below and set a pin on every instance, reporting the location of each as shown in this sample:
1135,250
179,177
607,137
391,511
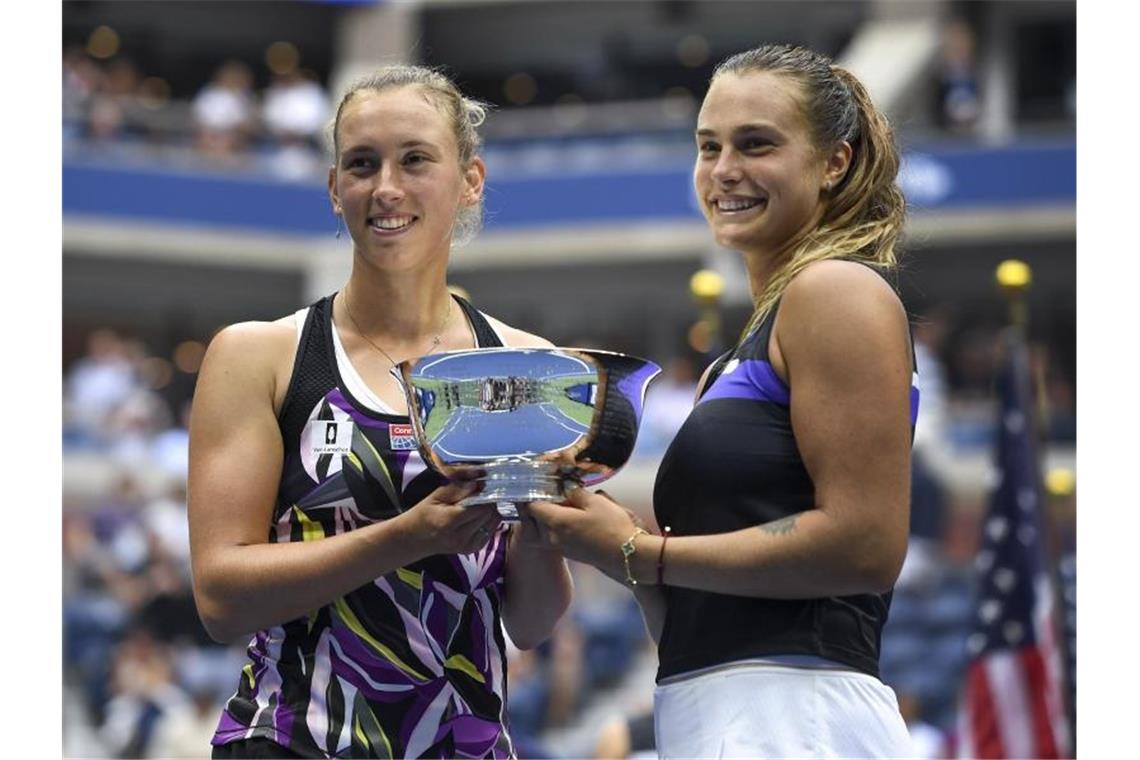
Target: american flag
1011,699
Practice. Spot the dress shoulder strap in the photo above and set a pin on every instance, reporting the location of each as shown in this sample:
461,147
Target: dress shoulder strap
313,373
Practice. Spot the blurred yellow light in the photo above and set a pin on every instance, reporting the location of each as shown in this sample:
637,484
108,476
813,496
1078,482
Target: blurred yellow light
706,285
1012,273
282,57
1060,481
693,50
460,291
188,356
520,88
103,42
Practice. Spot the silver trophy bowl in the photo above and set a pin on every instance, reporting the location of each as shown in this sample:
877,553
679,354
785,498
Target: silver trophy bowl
526,422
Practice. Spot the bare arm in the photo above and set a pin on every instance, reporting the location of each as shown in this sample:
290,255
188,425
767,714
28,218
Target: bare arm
538,586
841,337
842,341
242,583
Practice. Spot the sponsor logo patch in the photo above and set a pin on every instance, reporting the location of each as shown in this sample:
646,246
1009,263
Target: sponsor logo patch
402,437
331,436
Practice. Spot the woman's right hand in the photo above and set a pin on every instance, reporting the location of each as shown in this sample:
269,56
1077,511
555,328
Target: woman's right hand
441,526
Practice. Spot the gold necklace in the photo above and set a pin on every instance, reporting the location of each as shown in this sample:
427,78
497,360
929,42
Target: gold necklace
435,341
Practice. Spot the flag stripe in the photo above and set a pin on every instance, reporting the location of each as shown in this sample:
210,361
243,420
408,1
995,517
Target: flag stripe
983,739
1008,688
1054,684
1045,744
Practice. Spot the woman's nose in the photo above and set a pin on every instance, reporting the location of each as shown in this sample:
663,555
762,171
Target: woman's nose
388,188
727,168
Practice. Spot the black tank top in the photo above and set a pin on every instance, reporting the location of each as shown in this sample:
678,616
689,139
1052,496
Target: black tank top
734,464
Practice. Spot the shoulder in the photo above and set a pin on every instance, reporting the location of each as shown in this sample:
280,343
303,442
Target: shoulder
839,293
252,351
255,340
840,279
840,306
515,338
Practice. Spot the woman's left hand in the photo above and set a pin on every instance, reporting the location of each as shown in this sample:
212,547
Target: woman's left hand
589,527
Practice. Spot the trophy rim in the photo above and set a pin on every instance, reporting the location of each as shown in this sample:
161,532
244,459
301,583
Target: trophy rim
589,472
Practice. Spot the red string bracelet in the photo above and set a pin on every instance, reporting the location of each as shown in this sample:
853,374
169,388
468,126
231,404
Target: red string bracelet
661,556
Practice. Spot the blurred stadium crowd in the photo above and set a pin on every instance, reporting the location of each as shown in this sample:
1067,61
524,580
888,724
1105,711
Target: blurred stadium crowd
142,678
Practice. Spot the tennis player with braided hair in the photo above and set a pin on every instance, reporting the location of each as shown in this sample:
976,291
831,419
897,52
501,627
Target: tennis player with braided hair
784,497
376,603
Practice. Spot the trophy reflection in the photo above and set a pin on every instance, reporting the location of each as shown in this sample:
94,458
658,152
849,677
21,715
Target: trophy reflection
527,422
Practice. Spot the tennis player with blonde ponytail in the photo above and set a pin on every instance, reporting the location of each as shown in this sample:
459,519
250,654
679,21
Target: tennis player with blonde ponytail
784,496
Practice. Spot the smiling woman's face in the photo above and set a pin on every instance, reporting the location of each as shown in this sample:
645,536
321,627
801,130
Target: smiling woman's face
759,176
397,177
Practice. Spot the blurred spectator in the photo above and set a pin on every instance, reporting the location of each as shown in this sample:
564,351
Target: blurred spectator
545,687
142,691
959,102
667,404
628,736
186,727
82,78
1056,396
225,111
295,112
133,424
96,385
113,112
170,449
931,456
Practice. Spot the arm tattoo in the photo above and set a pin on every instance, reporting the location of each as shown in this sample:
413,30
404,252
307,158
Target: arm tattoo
781,526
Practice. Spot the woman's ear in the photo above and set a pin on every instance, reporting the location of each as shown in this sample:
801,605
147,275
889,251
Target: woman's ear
334,197
838,162
474,177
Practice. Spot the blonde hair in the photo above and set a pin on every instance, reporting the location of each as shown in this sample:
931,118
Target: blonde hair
464,114
864,213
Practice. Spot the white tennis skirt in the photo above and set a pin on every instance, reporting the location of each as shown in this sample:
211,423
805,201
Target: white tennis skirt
759,709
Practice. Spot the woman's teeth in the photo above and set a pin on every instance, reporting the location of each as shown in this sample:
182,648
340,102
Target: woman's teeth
392,222
737,205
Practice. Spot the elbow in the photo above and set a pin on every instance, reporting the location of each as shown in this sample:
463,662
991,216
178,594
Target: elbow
218,618
878,564
528,629
530,633
221,627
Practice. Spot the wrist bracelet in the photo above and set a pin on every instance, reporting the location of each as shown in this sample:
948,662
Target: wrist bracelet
628,549
661,556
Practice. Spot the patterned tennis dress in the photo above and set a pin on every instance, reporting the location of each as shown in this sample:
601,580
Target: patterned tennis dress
412,664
